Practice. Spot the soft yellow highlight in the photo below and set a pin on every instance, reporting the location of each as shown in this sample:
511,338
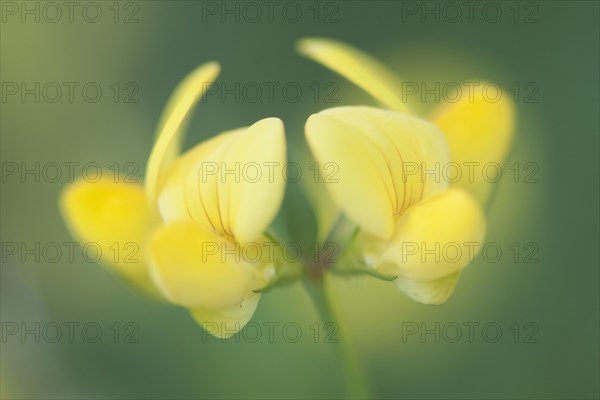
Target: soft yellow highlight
478,131
116,216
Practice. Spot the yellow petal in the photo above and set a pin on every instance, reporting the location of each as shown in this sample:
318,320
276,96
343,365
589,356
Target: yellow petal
429,292
254,202
227,322
433,240
115,216
172,123
171,200
233,184
356,66
371,151
196,268
479,130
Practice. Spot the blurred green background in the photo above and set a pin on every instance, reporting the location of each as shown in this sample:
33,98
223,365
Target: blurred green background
552,44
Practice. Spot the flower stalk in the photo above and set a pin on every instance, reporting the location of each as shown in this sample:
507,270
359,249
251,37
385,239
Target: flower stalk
350,371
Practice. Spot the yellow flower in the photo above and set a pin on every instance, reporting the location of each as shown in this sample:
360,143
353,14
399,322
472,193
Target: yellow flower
389,181
192,215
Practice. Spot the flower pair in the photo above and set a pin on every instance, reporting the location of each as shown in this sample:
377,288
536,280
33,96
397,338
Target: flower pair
192,222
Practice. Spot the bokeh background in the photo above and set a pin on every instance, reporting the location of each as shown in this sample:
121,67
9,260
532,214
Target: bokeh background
555,301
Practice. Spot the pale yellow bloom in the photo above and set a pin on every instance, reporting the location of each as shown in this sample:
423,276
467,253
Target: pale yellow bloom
190,224
377,151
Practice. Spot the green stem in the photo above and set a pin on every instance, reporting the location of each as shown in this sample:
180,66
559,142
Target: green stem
351,371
